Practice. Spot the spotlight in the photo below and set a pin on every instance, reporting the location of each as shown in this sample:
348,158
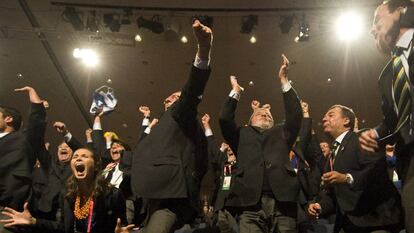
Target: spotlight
286,23
87,56
253,39
91,22
248,23
205,20
349,26
184,40
153,24
70,15
303,31
112,21
138,38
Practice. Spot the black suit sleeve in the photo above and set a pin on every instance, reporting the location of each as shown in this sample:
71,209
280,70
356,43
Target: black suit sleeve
35,132
228,125
293,114
184,110
100,147
216,154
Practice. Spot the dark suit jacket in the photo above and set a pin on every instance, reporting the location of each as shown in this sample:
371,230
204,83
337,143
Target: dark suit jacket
259,151
108,208
18,153
171,161
372,199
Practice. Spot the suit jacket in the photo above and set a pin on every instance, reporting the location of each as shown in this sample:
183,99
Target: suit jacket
260,153
107,208
372,199
18,153
170,162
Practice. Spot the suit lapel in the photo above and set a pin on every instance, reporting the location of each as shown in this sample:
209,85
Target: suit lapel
385,81
342,146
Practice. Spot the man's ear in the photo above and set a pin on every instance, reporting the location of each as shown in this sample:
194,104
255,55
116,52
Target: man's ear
347,121
8,120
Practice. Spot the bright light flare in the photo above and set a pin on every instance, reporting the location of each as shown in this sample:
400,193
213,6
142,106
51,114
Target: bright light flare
253,39
184,39
87,56
349,26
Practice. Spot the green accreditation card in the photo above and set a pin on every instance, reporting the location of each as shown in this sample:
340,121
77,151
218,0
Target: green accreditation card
226,183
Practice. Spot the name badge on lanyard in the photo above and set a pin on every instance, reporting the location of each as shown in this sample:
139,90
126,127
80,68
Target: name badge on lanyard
227,178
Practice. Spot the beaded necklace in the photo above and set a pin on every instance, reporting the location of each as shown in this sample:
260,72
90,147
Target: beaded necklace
82,212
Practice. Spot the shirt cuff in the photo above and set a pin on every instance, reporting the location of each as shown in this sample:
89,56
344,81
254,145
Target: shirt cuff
201,64
108,144
147,130
350,179
89,141
208,132
235,95
145,121
286,87
97,126
67,137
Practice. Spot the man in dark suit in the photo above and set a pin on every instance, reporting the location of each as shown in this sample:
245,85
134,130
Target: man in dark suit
169,163
393,29
265,187
356,184
18,150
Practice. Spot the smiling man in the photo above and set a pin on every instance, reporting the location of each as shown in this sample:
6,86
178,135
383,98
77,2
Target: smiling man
356,186
393,31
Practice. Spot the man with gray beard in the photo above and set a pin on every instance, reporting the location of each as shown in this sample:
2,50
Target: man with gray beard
264,189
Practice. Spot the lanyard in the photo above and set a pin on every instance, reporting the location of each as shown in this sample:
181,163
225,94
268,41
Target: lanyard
90,217
228,169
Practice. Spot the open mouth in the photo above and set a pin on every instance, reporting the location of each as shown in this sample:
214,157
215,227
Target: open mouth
80,168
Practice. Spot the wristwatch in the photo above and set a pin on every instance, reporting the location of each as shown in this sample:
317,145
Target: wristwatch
349,179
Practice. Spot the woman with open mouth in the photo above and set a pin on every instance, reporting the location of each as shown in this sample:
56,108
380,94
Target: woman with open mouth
89,205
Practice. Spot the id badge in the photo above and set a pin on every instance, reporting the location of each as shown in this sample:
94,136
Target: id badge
226,183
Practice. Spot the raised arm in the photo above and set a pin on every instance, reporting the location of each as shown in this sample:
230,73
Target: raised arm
185,109
228,125
72,142
293,110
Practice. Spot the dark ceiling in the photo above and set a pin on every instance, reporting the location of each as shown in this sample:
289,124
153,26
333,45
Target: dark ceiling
145,73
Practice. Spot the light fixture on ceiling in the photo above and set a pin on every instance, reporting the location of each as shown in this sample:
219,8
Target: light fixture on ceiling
349,26
70,15
303,30
91,24
112,21
138,38
253,39
248,23
155,25
286,23
184,40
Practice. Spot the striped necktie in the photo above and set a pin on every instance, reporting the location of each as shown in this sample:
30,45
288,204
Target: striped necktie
401,90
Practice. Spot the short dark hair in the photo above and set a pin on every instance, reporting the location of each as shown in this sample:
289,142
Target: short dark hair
122,143
394,4
347,113
13,113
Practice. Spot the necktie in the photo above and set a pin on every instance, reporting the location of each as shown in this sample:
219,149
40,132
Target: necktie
110,174
333,154
401,90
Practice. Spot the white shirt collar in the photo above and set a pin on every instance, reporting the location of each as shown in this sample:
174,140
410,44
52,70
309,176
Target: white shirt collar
3,134
341,137
405,39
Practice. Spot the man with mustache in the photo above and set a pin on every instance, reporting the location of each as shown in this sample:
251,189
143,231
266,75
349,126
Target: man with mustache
265,188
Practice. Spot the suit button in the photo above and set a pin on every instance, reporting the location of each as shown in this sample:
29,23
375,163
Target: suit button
268,164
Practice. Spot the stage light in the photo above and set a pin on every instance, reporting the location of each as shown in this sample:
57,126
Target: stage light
184,40
253,39
248,23
112,21
138,38
286,23
153,24
303,31
349,26
71,16
87,56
